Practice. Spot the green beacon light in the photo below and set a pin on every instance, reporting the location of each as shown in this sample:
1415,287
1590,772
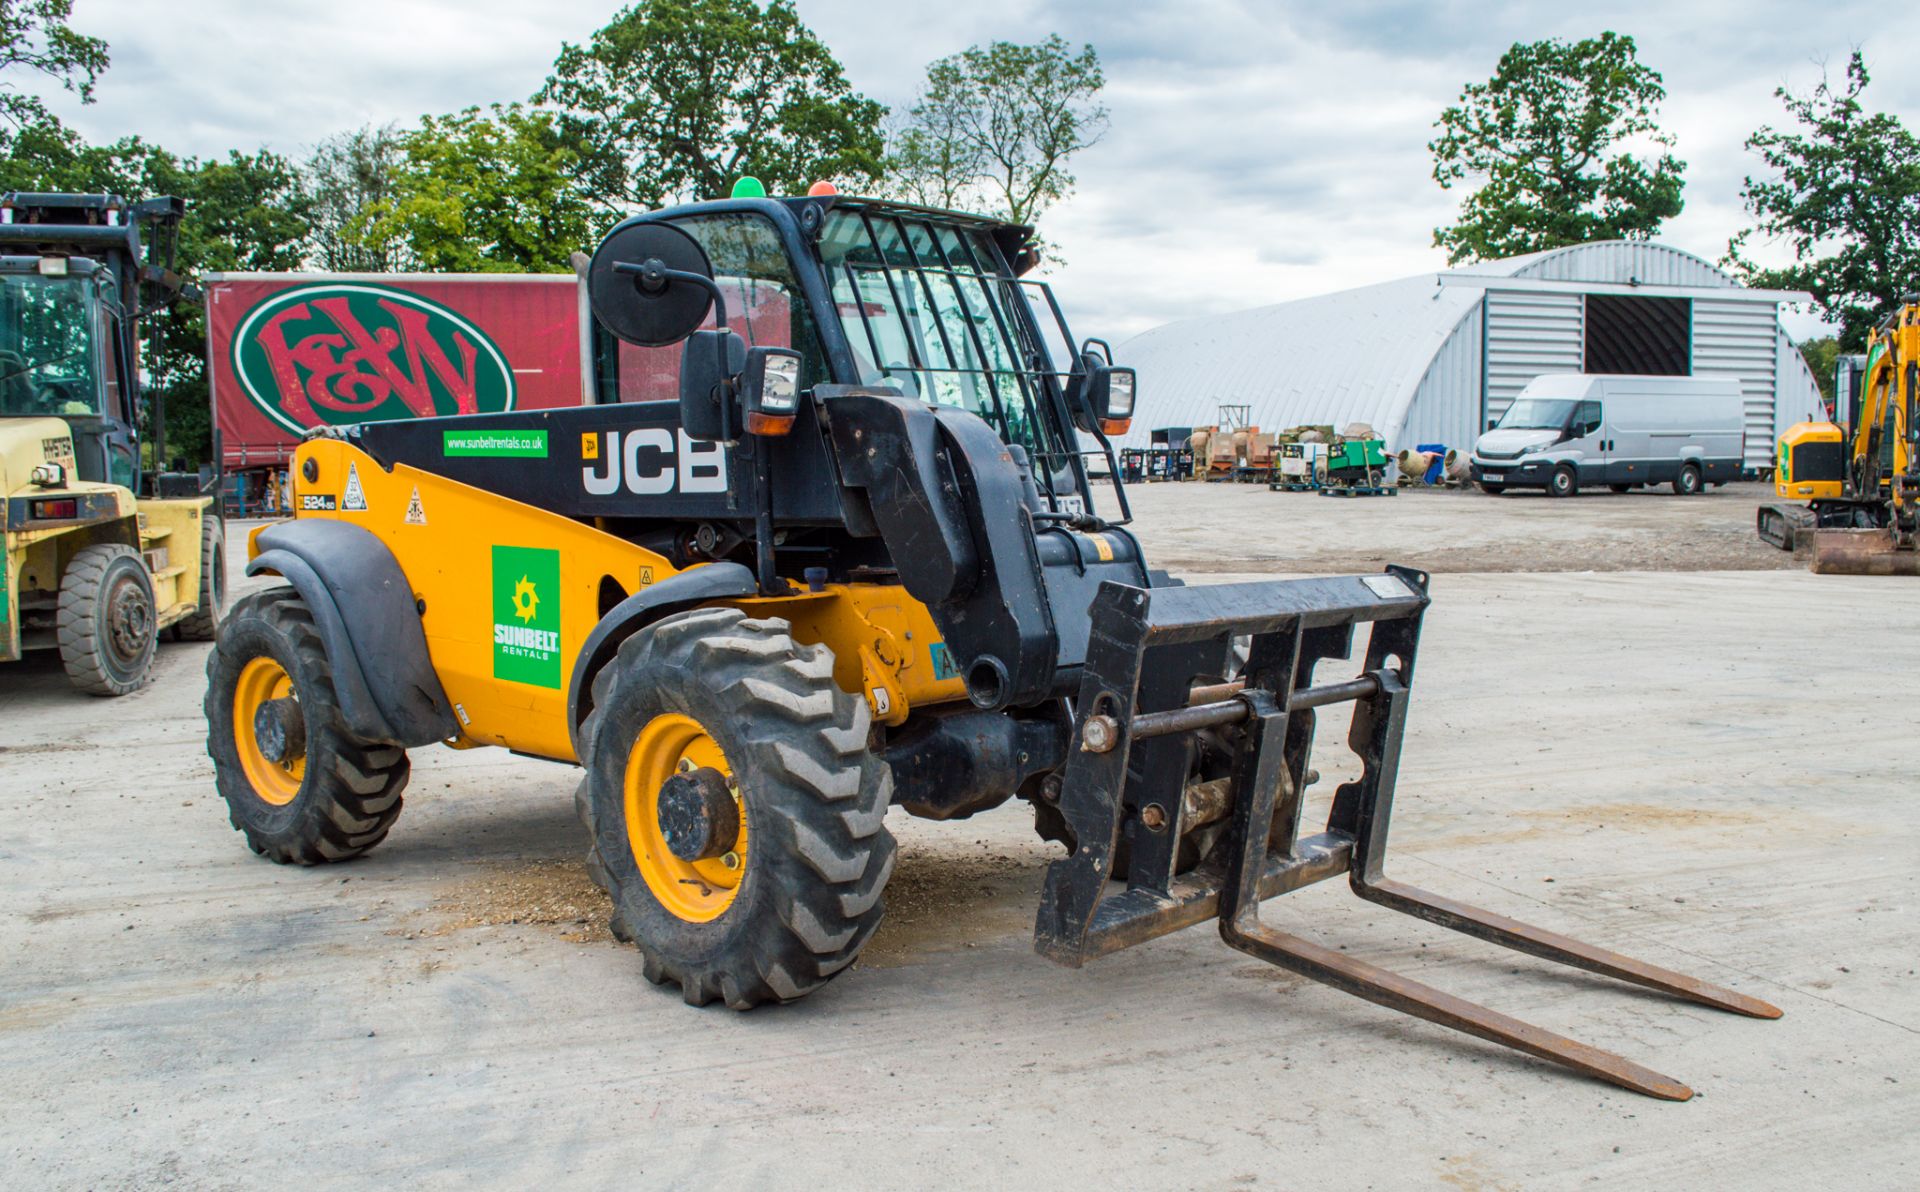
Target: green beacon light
749,187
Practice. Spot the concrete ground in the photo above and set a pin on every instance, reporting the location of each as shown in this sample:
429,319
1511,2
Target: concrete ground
1702,769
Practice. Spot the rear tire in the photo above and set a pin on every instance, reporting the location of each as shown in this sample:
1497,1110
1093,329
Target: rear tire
1563,483
815,853
204,624
1687,483
332,799
1492,489
106,623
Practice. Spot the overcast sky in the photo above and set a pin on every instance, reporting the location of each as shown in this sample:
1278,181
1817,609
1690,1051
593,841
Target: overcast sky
1258,151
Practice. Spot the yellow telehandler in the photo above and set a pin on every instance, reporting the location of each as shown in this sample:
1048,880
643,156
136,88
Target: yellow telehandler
831,547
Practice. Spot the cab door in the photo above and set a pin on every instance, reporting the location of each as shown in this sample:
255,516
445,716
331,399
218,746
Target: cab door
1586,434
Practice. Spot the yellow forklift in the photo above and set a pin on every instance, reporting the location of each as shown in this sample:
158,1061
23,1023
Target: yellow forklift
1860,482
90,568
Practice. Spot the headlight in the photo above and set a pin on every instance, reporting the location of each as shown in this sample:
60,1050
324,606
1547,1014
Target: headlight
780,391
48,475
1120,394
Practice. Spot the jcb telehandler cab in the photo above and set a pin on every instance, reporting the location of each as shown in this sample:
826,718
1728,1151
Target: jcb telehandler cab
90,568
829,546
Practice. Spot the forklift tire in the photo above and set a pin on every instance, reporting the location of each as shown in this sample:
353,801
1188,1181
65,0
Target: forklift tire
1563,483
105,624
204,622
300,789
745,721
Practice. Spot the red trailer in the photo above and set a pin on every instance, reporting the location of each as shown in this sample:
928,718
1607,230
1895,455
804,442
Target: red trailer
291,351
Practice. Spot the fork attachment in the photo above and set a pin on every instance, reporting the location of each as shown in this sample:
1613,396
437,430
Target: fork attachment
1156,703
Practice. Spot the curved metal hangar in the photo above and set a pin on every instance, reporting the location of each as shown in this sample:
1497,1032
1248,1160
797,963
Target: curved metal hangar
1434,358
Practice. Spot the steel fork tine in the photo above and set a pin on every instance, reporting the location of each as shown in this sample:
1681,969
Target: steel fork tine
1408,996
1547,945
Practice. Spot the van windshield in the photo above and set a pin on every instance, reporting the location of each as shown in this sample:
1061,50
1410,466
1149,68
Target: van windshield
1537,413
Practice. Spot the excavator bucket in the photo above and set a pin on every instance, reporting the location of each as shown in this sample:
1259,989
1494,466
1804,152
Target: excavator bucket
1862,552
1153,683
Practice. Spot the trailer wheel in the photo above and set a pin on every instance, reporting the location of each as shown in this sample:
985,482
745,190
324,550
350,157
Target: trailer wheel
1563,483
105,623
204,623
298,787
736,812
1687,483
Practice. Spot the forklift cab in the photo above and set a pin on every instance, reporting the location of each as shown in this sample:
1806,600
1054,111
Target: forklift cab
64,354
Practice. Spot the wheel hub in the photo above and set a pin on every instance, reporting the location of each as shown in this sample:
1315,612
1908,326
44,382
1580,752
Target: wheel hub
280,730
699,818
129,621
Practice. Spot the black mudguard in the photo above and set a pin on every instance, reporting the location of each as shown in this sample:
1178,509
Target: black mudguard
365,612
713,581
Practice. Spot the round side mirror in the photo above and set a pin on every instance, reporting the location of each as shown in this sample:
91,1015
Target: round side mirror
646,308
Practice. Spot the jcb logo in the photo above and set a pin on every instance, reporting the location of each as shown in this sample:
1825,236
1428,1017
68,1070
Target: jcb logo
651,461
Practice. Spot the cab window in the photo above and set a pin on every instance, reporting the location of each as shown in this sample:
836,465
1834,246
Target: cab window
764,307
1585,420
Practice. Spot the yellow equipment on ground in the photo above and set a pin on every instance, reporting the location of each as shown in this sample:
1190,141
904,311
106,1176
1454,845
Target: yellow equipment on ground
89,568
837,555
1861,488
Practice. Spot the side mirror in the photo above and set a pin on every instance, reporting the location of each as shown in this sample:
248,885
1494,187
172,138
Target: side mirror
1100,395
708,365
650,284
1492,423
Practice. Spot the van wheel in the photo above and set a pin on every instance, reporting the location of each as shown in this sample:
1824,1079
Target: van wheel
1564,483
1687,483
1621,488
1492,489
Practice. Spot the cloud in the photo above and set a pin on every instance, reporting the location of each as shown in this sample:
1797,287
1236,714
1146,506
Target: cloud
1257,152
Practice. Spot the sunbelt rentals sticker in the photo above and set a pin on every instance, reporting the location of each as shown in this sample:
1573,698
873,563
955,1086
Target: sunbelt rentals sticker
526,615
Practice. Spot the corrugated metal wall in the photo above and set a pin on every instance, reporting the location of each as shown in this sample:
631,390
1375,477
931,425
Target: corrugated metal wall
1740,340
1800,399
1530,333
1446,404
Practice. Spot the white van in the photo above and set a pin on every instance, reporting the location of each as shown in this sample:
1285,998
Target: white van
1566,431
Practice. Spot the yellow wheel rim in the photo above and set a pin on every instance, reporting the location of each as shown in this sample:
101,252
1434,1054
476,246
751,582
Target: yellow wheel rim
697,891
261,680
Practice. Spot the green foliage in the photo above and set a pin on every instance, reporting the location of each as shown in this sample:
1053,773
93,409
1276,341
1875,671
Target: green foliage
1822,356
35,38
1845,197
994,127
346,175
493,191
1546,139
675,99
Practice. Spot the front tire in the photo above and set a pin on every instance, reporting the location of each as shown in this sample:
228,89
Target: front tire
204,623
1492,489
1563,483
784,897
105,623
297,785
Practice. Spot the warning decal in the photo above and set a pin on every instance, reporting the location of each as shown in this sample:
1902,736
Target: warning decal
355,498
416,514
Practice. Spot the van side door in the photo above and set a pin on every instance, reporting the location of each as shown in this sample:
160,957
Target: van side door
1586,434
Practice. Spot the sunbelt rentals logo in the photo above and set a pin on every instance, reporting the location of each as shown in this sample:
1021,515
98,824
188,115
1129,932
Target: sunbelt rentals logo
526,615
335,354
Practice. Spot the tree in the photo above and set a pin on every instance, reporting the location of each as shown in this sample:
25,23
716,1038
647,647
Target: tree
1546,140
995,128
677,99
346,175
1845,198
1822,356
35,37
482,192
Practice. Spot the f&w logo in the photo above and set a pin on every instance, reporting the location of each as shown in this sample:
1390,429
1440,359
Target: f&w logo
650,461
